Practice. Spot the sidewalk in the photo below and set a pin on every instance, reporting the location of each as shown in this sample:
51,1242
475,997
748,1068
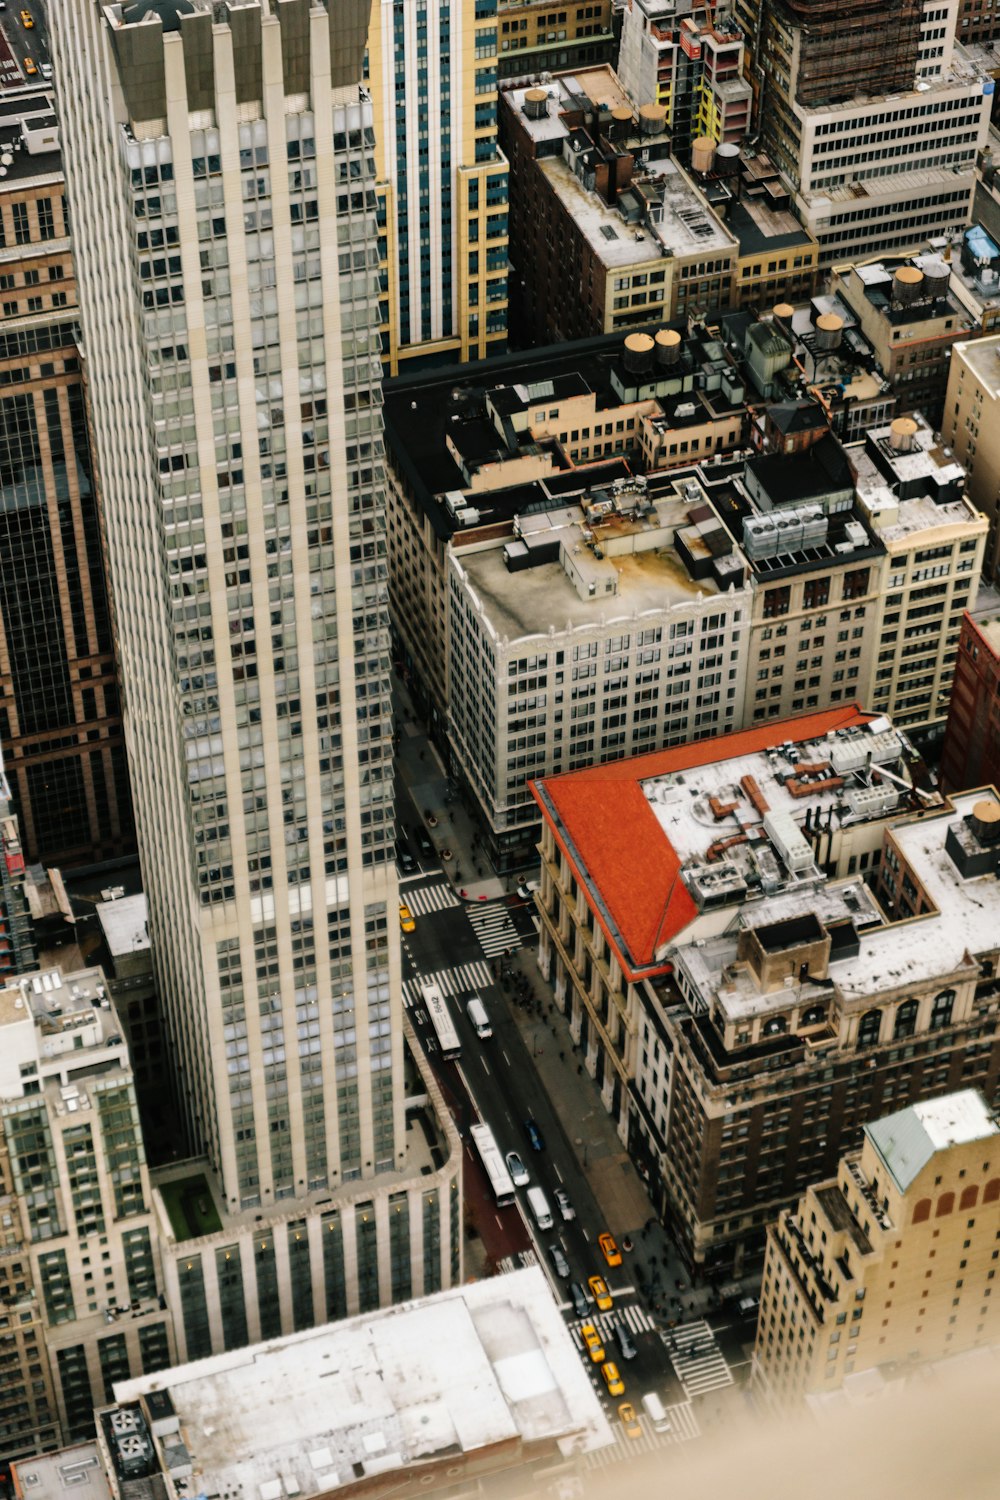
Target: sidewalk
419,766
654,1264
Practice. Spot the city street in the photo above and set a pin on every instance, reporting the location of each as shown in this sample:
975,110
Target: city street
481,940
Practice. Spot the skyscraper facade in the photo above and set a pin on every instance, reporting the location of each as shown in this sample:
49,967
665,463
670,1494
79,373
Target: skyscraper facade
60,722
221,165
441,180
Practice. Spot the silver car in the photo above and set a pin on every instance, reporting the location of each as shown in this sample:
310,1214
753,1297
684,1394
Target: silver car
518,1171
563,1204
559,1262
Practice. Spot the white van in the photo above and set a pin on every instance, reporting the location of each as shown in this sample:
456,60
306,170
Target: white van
653,1407
539,1205
477,1014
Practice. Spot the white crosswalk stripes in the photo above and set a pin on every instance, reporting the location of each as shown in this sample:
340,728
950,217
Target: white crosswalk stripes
697,1360
635,1317
464,980
494,929
683,1427
427,898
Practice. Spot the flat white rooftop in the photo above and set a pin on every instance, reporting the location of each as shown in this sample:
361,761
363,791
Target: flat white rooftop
983,358
907,1140
489,1363
124,923
969,920
680,800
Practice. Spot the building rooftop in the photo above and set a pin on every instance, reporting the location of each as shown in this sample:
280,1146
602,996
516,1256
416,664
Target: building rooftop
49,1476
906,1141
758,227
687,225
987,623
931,299
658,211
490,1363
983,358
597,568
124,923
907,482
423,411
29,139
629,827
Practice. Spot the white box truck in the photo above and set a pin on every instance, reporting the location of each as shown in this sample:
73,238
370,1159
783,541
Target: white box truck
653,1407
478,1015
539,1205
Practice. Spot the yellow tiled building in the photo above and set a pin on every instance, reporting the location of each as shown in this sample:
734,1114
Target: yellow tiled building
892,1262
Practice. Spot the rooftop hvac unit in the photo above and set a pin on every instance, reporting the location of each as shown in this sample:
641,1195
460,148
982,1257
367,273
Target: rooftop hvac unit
124,1421
869,801
786,836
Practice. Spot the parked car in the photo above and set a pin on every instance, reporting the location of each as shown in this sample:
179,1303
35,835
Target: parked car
406,919
535,1137
566,1210
612,1254
559,1262
592,1342
599,1292
581,1302
518,1171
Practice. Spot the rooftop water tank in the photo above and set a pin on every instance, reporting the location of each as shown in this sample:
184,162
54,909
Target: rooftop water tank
668,346
638,353
702,153
652,119
829,331
727,159
907,285
903,435
536,104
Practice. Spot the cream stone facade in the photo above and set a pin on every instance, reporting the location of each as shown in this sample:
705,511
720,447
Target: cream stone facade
81,1204
971,429
222,169
890,1264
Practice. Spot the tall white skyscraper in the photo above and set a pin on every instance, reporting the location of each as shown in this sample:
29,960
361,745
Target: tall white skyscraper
220,167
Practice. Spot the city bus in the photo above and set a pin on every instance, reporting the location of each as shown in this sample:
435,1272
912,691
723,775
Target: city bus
444,1026
494,1165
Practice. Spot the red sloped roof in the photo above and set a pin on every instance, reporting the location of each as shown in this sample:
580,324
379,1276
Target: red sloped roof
606,828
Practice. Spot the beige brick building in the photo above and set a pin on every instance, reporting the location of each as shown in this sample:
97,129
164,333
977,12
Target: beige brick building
891,1263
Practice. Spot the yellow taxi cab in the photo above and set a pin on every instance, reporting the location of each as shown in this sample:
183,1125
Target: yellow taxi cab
612,1254
406,920
612,1379
30,67
592,1342
599,1292
27,20
629,1420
